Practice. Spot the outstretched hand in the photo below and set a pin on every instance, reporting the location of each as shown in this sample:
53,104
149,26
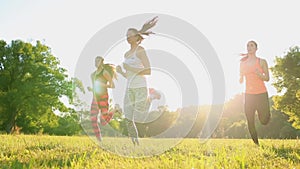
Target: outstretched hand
126,66
119,69
260,75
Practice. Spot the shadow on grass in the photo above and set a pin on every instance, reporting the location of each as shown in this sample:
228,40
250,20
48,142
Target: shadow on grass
288,153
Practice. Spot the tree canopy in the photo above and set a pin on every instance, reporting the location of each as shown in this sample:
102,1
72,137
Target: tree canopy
286,73
31,85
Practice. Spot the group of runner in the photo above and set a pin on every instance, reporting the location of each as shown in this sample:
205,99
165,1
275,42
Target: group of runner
138,97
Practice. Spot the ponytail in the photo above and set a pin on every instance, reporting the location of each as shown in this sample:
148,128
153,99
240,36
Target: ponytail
245,57
111,69
145,29
147,26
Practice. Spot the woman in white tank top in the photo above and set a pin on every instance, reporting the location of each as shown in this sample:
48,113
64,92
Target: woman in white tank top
135,78
136,65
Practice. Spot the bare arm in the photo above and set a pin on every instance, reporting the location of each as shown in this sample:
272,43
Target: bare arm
92,78
119,70
264,76
107,76
241,74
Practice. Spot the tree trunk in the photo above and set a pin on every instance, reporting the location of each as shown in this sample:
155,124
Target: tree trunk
11,122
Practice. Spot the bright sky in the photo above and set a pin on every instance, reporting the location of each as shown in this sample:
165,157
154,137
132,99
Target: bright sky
67,26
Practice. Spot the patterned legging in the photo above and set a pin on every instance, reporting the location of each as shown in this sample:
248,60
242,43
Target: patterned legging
136,106
100,103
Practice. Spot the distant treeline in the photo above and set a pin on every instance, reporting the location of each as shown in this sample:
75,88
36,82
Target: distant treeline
32,84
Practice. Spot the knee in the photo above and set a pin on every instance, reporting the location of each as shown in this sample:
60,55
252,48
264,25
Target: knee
265,120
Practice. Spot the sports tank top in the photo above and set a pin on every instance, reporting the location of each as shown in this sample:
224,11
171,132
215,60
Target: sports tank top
98,78
135,80
254,85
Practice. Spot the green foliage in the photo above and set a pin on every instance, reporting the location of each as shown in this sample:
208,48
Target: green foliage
233,123
31,85
277,127
157,122
286,73
67,125
237,130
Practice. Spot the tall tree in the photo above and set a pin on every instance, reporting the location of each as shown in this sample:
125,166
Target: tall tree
31,83
286,73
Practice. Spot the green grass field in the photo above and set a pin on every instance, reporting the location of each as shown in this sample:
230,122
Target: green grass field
30,151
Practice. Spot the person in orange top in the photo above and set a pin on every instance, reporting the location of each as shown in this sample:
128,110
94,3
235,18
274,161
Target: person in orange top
255,71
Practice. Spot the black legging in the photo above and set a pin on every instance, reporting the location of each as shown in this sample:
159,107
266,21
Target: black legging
259,103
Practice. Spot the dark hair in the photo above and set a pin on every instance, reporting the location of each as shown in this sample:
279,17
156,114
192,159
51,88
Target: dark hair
246,55
252,41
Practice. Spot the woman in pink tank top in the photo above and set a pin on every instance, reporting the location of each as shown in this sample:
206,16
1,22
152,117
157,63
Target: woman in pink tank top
255,71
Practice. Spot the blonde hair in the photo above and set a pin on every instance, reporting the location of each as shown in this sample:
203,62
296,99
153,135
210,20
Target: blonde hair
110,68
